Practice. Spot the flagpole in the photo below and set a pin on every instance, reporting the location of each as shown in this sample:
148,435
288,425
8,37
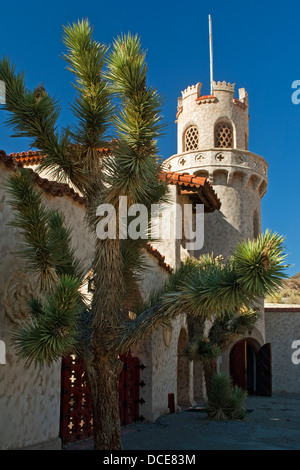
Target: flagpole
210,55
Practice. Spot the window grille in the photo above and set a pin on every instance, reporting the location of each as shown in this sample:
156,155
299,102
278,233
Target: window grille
223,135
191,139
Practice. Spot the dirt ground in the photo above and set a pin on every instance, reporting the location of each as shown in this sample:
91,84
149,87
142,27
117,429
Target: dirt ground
273,423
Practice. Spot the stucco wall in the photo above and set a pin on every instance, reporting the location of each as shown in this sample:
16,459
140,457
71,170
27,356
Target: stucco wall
29,397
282,330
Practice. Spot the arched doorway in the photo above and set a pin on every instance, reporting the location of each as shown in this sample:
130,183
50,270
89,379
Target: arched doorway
250,367
183,370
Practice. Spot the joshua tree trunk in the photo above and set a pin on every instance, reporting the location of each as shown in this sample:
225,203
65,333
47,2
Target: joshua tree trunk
103,373
210,367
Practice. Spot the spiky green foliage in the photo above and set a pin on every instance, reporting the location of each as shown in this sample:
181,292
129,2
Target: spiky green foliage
50,329
215,287
225,401
202,348
254,269
50,332
46,242
208,289
34,114
92,107
133,170
225,330
259,264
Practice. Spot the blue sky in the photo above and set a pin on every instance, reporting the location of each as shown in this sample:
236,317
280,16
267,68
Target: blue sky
256,45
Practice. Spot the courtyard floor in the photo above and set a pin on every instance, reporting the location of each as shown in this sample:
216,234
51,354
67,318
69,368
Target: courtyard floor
273,423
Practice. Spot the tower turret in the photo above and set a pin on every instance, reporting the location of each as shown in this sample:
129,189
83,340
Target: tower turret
212,141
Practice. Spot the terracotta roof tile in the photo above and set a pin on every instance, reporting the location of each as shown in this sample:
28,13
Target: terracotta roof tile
61,189
206,99
198,184
34,157
239,103
161,258
52,187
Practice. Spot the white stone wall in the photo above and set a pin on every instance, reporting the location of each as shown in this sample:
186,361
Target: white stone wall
282,331
163,374
159,354
29,397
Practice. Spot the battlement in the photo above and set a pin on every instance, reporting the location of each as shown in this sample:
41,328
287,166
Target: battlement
223,86
192,90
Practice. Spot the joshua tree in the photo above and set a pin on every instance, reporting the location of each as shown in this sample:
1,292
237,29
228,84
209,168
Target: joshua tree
208,340
113,104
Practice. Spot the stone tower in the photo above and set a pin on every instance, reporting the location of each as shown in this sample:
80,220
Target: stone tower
212,141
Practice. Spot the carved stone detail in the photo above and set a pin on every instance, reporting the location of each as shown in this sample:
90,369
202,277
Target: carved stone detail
18,291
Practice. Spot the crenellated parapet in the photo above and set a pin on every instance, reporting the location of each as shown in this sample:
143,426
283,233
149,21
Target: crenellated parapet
223,86
193,90
215,114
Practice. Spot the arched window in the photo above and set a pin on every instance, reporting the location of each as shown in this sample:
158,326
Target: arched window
191,138
223,135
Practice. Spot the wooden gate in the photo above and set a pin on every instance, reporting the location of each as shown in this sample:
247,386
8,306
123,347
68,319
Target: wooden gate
238,365
264,371
263,367
76,417
129,389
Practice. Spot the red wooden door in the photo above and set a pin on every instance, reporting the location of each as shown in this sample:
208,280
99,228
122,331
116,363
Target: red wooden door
238,364
129,389
76,417
76,420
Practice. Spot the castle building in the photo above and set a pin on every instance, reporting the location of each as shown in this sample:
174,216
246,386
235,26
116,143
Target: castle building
212,142
213,167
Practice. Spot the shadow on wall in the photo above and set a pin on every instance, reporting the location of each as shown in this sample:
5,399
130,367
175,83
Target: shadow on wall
2,353
183,365
220,237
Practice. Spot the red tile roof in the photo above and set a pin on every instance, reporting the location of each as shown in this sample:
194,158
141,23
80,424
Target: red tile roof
183,179
199,185
52,187
195,183
239,103
61,189
206,99
34,157
161,258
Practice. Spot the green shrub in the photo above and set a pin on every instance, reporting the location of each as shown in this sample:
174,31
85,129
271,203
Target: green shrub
225,401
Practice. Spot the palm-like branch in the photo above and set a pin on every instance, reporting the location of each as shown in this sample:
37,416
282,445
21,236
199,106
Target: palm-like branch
134,168
34,114
213,288
259,264
92,108
51,330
